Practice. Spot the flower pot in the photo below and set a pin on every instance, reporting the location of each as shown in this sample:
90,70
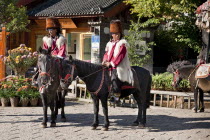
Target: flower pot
4,102
24,102
34,101
14,101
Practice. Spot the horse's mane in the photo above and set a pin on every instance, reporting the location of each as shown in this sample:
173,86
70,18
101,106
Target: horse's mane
187,68
87,66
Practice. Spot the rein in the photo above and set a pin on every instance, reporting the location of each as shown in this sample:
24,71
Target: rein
192,72
101,84
102,80
93,73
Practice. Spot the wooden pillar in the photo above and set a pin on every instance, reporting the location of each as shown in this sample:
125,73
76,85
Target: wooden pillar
32,42
81,47
64,32
161,100
2,52
154,102
168,98
208,45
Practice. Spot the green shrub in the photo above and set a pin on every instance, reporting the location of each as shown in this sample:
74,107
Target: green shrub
163,81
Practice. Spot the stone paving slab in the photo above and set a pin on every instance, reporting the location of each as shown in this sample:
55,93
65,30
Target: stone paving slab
23,123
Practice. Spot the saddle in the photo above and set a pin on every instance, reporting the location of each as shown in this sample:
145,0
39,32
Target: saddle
129,86
203,71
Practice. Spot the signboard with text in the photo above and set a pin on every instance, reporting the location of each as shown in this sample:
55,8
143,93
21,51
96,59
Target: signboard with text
95,46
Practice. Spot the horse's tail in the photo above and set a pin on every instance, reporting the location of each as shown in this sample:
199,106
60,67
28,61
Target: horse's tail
148,91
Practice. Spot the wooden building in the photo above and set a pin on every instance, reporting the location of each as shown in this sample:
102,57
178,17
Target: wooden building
85,24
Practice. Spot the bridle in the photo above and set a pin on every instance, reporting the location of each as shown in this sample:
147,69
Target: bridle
48,74
70,76
176,74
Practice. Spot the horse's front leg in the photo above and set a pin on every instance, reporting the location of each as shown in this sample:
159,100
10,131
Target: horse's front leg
53,116
96,110
105,111
63,94
139,120
44,102
196,100
56,106
201,94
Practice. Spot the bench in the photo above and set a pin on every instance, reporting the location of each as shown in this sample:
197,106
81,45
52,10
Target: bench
78,86
173,94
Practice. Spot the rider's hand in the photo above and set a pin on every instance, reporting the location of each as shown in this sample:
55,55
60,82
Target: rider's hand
107,64
103,63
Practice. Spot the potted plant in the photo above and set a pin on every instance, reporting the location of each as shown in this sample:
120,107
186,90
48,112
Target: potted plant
20,59
24,96
34,96
14,98
4,97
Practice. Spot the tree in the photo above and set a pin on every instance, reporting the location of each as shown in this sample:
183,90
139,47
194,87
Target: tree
136,47
179,13
12,16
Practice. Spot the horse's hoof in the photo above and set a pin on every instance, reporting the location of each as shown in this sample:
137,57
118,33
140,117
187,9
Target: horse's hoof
53,125
141,126
63,119
135,123
201,110
43,125
105,128
93,128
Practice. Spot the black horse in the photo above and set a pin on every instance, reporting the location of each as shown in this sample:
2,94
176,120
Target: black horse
197,86
53,81
97,81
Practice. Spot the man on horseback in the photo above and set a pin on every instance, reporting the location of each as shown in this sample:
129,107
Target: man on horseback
54,41
116,58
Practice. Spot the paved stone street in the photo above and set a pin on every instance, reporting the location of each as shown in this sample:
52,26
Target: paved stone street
23,123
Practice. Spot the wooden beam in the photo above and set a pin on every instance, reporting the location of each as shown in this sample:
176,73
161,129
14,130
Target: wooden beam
65,23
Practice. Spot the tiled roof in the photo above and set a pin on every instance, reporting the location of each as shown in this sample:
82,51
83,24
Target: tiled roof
72,7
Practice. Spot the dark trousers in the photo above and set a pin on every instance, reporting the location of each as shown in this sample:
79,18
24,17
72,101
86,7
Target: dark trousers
115,82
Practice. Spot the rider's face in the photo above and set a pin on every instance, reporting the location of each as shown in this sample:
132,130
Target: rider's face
116,36
52,32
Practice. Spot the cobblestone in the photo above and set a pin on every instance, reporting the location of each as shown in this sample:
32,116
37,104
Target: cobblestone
23,123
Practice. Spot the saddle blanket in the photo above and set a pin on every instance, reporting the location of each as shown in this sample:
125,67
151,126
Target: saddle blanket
126,87
203,71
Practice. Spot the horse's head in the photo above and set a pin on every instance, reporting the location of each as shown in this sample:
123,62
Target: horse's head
176,78
44,64
69,73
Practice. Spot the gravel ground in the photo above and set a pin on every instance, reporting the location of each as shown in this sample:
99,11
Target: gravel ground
23,123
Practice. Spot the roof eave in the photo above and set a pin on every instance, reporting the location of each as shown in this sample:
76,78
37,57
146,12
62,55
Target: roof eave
67,16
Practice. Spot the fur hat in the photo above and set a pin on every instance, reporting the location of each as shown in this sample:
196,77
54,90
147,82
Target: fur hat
52,23
115,26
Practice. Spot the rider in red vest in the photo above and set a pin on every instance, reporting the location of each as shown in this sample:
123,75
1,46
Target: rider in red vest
54,40
116,57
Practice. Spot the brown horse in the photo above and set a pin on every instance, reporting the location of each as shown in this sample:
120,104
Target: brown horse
200,85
